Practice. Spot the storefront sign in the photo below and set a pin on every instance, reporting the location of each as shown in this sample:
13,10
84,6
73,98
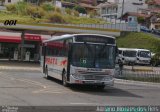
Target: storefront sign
132,23
33,37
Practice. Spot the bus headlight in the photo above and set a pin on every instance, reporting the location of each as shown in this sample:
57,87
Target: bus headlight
80,77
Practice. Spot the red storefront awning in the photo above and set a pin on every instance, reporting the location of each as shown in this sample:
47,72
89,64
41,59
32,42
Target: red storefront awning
17,39
10,39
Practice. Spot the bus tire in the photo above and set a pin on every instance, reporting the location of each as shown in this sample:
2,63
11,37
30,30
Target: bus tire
64,79
46,73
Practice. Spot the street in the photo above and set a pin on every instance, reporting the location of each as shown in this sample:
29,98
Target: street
24,85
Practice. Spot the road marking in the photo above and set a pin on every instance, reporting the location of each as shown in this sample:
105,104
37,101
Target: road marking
45,88
25,80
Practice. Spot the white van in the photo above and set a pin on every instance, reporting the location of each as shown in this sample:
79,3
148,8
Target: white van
143,56
127,55
136,56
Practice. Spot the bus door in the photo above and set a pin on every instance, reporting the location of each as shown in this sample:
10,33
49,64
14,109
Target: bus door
70,49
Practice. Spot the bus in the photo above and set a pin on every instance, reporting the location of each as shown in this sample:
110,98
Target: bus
86,59
136,56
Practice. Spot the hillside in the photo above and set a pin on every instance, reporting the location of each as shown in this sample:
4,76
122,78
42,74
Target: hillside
139,40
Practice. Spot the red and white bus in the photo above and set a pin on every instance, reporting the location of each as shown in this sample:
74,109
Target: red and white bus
80,59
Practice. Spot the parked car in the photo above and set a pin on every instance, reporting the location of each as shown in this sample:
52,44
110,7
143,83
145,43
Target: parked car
156,31
145,29
155,61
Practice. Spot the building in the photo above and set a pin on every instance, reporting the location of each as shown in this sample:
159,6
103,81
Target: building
108,10
113,9
11,1
131,6
140,16
101,1
154,21
10,43
153,4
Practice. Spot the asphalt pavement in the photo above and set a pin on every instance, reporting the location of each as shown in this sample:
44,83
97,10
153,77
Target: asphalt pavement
26,86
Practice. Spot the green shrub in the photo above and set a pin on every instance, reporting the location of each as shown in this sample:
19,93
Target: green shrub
141,19
11,7
76,13
68,11
57,9
31,10
41,12
92,14
47,7
21,8
56,18
36,12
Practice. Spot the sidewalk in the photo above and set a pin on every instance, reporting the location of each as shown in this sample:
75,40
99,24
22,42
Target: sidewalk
138,83
19,65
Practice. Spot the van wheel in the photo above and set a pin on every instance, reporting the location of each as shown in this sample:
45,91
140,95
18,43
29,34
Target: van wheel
46,73
64,79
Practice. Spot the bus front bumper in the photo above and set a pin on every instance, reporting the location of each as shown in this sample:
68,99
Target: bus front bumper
109,82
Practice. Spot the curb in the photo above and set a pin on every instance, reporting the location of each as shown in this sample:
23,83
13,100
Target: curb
138,83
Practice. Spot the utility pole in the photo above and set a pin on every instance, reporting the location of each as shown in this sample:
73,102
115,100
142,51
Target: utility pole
122,9
22,45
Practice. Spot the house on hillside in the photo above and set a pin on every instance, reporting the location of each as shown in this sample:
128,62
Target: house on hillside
140,17
108,10
153,4
114,9
154,22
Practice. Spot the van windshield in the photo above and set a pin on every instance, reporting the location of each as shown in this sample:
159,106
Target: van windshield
145,54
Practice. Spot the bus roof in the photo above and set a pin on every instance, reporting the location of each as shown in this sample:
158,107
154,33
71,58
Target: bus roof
133,49
66,36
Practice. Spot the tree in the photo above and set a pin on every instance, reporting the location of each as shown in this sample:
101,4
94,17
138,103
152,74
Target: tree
80,9
141,20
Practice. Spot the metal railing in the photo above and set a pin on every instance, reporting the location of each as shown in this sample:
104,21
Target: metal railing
146,76
117,26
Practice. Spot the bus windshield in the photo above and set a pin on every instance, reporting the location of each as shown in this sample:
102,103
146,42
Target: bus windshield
145,54
93,56
129,53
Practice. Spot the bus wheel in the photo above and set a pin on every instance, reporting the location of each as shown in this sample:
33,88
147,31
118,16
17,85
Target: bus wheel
64,79
46,73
